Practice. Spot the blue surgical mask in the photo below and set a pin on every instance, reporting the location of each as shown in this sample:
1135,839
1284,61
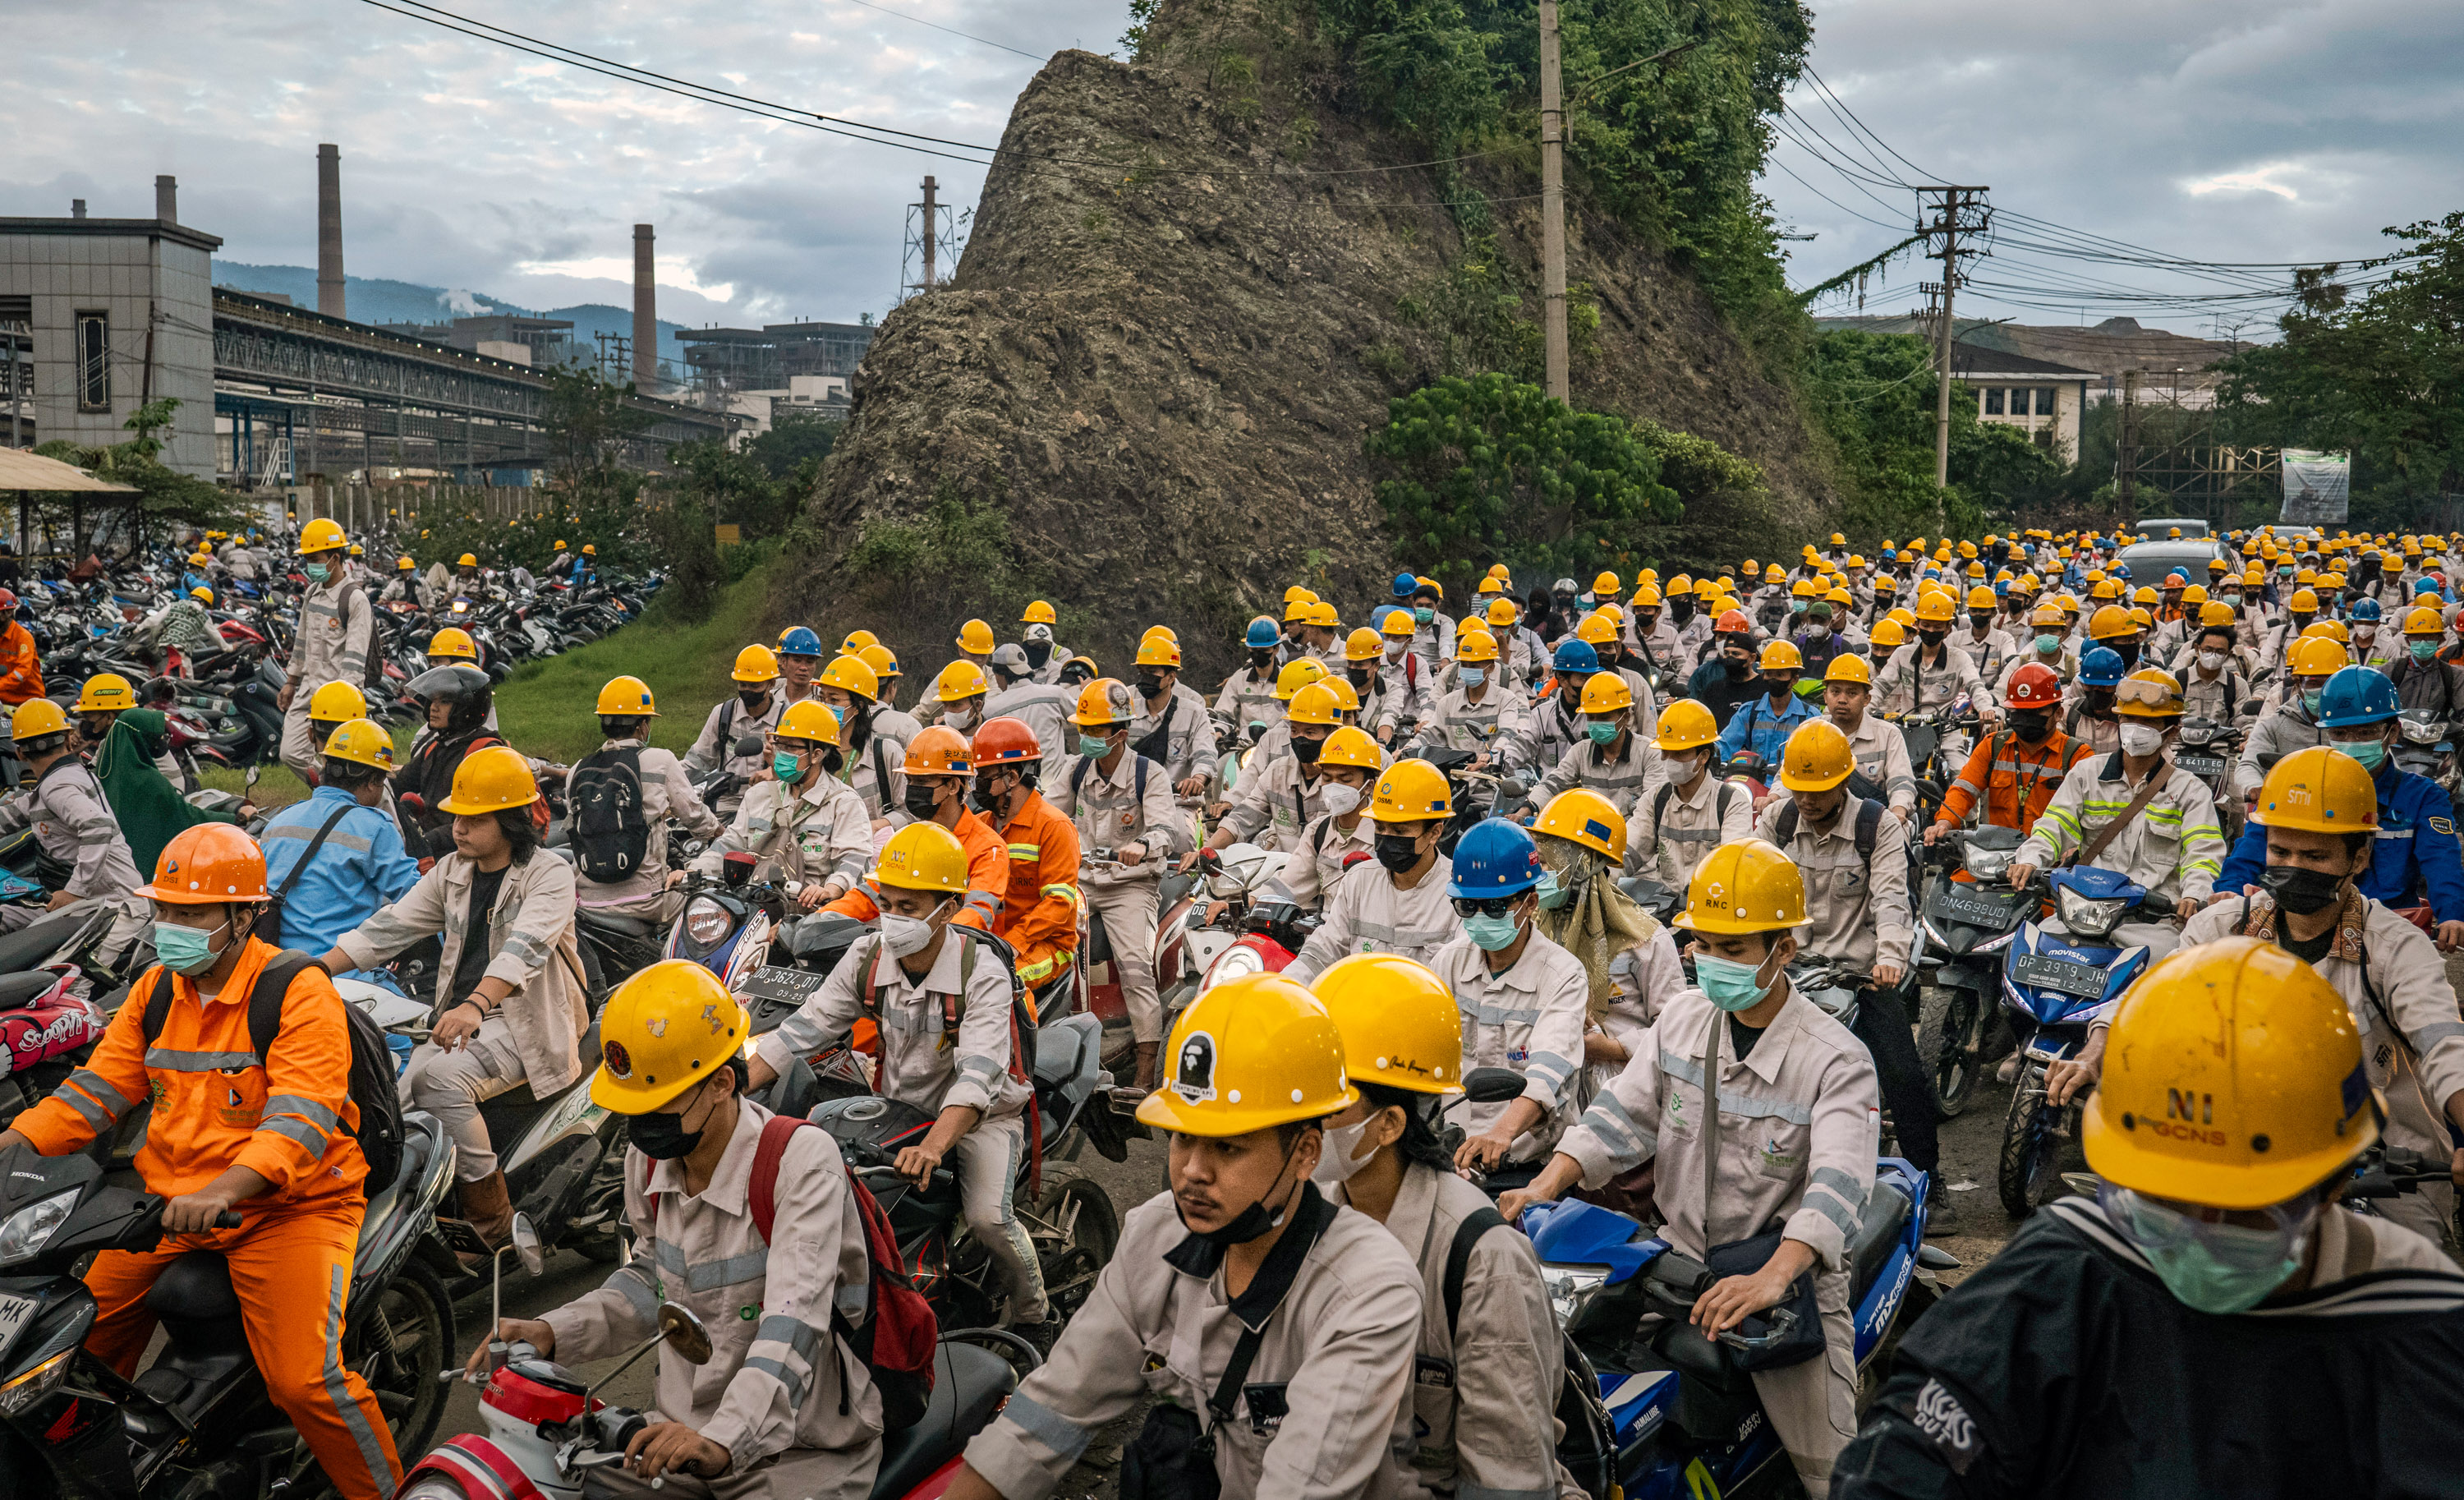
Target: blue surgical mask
2369,752
837,713
787,767
1553,895
1492,932
1473,676
2422,651
2219,1268
1094,747
1601,733
2310,701
186,950
1730,985
2047,645
317,572
1424,616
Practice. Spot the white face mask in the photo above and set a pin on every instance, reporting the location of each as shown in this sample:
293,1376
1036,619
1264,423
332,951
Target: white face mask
2210,661
1394,650
1339,799
2141,739
906,936
1336,1161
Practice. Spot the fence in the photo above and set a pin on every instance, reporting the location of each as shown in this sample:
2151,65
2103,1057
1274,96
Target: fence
418,503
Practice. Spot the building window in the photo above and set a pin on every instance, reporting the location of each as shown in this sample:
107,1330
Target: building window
94,362
1993,400
2044,401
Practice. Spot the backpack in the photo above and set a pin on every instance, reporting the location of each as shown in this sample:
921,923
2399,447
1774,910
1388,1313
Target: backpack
1869,825
1719,804
380,639
1022,1023
379,1132
896,1340
611,836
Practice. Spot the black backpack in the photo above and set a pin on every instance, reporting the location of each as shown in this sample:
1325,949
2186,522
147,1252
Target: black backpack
379,1132
611,834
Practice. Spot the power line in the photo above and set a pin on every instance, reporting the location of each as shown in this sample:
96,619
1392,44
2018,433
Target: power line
936,26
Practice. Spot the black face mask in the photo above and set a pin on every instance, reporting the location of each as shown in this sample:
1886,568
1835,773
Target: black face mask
1934,638
753,702
2128,651
1980,621
1305,751
1261,659
2099,702
1038,653
1398,853
2030,724
662,1137
1681,610
1358,677
1249,1222
922,801
982,794
1149,687
2302,891
1779,687
1740,668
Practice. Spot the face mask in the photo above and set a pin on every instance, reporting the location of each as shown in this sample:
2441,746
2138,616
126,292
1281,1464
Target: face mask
2128,651
2302,891
2421,650
2310,701
1307,751
1394,650
753,702
1492,933
1553,895
1730,985
319,572
920,802
787,767
1934,638
1261,660
1247,1225
906,936
1094,747
2219,1268
838,714
1796,607
1358,677
1473,676
2030,724
2212,661
2369,752
186,950
1424,616
662,1137
1336,1161
1038,653
1980,623
2140,740
1779,687
1601,733
1398,853
1340,799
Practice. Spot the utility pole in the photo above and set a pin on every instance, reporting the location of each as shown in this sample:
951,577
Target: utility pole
932,228
1957,213
2125,467
1553,205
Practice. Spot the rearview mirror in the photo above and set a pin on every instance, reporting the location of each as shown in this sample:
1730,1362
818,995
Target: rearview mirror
683,1333
527,1244
1493,1084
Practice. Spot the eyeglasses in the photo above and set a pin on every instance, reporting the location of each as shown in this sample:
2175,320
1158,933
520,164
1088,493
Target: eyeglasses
1493,906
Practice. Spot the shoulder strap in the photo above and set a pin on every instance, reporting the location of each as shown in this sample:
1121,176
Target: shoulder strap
762,1194
726,724
1077,781
1726,799
1786,827
2105,836
1660,805
1478,1222
266,996
313,845
1869,827
158,1006
1139,776
880,772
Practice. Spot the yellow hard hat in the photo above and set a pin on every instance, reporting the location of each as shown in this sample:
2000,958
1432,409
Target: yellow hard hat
1489,585
1475,646
1398,1022
456,642
2141,618
1251,1054
2216,613
976,636
1104,702
1587,818
1298,605
2110,620
850,674
756,663
664,1030
1746,886
1885,584
1397,624
2318,656
361,741
2150,693
1646,597
493,779
2319,788
591,549
1686,725
810,720
923,856
1345,700
1981,598
856,641
1297,674
1350,746
1298,594
2144,595
1411,791
1321,613
1039,612
1937,607
1315,703
1162,650
627,697
2302,601
1606,693
37,717
466,560
1781,656
1816,757
1500,614
321,536
1595,629
2196,594
337,701
2233,1079
1361,645
1804,588
1605,585
1849,669
2331,629
404,565
2424,621
108,692
959,681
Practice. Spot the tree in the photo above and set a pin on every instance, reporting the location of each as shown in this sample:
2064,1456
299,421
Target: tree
587,425
167,500
1874,393
1490,469
794,440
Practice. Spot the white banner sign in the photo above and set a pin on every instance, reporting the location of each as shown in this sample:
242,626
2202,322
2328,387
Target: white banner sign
2317,487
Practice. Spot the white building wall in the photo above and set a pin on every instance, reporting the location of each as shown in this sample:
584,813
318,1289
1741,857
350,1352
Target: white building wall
133,277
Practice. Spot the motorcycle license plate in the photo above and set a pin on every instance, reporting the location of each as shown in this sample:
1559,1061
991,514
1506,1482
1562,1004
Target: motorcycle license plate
2084,980
789,986
1973,910
15,1313
2200,765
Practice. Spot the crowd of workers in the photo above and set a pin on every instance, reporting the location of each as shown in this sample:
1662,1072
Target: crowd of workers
1731,734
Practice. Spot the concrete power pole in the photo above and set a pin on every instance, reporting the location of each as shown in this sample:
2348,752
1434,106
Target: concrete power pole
2126,466
1958,212
1553,205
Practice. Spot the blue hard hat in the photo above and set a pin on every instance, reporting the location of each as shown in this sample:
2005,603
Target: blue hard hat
2367,610
799,642
1404,584
1262,634
2002,588
2119,570
1574,655
2102,668
2357,696
1495,858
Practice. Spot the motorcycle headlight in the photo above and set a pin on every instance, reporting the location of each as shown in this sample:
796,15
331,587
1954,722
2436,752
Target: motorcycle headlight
1572,1289
22,1236
1986,864
1231,964
706,921
2086,917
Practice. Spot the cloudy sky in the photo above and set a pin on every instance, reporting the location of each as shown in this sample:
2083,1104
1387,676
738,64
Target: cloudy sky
2213,130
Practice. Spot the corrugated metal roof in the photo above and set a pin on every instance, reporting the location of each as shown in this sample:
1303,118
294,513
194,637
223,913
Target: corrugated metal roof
21,469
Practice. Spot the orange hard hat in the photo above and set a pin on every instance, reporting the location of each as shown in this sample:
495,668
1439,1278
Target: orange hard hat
939,751
207,864
1005,742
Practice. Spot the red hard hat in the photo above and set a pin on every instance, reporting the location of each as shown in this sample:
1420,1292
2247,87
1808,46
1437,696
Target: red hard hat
1005,742
8,601
1733,623
2033,685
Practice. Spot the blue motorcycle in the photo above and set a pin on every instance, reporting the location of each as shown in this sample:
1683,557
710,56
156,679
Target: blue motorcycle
1655,1411
2055,985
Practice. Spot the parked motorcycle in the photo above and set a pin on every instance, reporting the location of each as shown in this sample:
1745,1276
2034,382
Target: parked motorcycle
1966,924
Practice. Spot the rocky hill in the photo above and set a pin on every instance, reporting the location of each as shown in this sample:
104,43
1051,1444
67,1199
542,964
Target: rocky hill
1182,308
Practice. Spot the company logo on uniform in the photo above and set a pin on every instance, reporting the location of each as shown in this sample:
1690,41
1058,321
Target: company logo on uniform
618,1062
1193,1069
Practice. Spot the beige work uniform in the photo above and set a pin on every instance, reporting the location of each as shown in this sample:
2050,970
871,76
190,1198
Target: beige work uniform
1337,1326
1857,910
878,777
1643,979
715,749
1311,870
1988,654
1045,709
1882,755
1109,812
2216,699
73,824
1800,1118
1406,688
1366,914
2173,847
1906,685
666,792
1621,777
329,644
1530,1017
2280,731
1496,726
1248,697
1273,804
1666,838
920,1065
1188,736
1484,1391
809,835
2062,664
791,1403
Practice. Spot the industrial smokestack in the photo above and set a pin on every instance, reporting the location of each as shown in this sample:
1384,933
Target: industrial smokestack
329,231
645,310
166,199
76,207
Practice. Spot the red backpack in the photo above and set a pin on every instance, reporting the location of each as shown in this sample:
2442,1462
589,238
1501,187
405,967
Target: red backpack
900,1333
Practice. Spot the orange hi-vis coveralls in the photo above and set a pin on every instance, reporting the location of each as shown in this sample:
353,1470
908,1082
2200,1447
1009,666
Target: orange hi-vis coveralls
987,879
21,666
216,1107
1040,908
2016,780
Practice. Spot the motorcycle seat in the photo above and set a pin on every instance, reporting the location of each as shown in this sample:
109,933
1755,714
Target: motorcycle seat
1099,943
28,946
1878,1232
630,926
25,988
969,1385
1064,1046
194,1289
1174,888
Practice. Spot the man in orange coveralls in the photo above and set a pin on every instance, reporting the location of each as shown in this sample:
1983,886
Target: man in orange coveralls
21,668
270,1138
1039,915
937,767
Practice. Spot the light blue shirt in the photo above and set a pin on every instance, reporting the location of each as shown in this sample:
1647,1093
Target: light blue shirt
361,867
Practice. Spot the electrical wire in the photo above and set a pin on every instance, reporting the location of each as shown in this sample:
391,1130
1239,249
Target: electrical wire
936,26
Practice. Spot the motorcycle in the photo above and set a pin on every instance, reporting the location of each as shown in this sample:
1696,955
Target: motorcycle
1966,924
197,1426
1169,962
2055,985
2207,752
1938,742
1651,1407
